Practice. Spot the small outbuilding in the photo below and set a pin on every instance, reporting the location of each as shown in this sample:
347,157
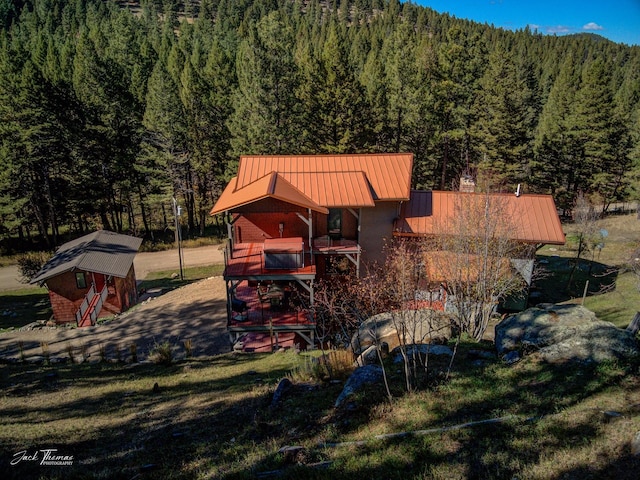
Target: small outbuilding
91,277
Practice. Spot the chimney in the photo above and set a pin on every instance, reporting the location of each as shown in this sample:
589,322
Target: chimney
467,184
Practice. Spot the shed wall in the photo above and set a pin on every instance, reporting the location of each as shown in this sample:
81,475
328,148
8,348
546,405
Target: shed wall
66,297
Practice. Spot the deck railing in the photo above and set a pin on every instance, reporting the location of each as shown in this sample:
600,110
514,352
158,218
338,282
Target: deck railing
88,304
98,306
84,306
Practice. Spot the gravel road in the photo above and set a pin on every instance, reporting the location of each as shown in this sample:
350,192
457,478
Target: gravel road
144,263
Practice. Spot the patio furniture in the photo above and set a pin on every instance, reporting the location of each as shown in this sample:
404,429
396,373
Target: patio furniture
240,310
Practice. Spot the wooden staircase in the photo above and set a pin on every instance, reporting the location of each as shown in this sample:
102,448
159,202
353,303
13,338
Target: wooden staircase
87,314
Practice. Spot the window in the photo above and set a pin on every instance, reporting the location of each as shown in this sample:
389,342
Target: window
334,224
81,281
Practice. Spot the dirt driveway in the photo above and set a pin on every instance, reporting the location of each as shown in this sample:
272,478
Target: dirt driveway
196,312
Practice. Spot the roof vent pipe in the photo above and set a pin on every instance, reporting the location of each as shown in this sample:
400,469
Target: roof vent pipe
518,191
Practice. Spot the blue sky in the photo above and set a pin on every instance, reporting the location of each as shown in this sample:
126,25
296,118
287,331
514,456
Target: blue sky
617,20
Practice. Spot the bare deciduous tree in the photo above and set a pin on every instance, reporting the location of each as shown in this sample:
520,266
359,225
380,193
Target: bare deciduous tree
473,254
393,288
587,234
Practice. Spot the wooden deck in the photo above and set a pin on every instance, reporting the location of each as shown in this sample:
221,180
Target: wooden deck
261,323
328,246
246,261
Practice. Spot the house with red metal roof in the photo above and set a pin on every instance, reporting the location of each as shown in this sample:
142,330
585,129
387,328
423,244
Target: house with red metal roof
294,219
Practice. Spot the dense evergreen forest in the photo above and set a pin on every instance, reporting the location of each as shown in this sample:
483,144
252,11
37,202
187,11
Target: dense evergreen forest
109,111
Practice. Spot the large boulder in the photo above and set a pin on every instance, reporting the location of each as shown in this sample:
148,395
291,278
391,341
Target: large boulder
362,376
421,350
422,326
564,333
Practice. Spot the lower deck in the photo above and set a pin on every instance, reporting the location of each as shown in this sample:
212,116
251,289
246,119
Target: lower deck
270,312
270,288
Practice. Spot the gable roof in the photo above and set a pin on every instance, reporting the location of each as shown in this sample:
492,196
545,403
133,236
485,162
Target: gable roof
534,217
103,252
271,185
327,180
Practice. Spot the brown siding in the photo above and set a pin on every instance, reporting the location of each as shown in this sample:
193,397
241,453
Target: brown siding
255,227
320,224
271,205
127,290
349,225
66,298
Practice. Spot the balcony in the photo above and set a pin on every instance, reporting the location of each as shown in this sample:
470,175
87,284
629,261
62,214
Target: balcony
282,258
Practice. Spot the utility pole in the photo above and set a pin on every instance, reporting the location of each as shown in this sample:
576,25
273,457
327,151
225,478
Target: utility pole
177,210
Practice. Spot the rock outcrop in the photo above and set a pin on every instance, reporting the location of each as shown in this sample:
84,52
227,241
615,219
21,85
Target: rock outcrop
367,375
422,351
422,326
561,333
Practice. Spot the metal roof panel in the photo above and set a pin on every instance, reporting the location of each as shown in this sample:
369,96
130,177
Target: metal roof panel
388,175
103,252
532,218
270,185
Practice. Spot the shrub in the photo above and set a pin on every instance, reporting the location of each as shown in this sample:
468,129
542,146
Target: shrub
188,348
161,353
336,364
23,357
45,351
133,350
29,264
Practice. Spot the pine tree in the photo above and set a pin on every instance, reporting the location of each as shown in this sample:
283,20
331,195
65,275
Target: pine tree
455,86
264,118
600,135
342,116
551,167
505,120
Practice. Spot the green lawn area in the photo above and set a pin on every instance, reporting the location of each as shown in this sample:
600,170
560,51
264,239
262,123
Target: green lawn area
612,290
23,306
167,279
212,418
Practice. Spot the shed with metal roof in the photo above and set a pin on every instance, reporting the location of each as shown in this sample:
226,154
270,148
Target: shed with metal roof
91,277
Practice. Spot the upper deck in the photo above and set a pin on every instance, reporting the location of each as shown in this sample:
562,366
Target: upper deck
282,258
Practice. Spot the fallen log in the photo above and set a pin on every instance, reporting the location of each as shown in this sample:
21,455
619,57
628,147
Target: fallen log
430,431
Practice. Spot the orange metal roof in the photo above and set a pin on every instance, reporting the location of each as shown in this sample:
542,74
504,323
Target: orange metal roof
535,218
334,189
271,185
388,175
319,181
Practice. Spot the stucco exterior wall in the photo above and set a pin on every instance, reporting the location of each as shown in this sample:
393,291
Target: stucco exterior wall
376,228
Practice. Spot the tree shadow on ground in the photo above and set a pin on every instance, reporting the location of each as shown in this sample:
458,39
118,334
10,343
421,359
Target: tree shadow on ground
561,279
16,311
227,428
